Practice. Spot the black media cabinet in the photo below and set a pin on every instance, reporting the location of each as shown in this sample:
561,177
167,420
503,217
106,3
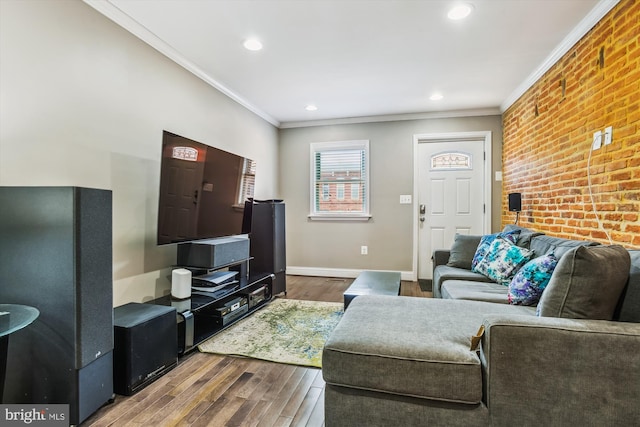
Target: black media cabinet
205,314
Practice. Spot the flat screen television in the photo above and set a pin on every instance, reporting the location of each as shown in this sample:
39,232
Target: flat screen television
203,191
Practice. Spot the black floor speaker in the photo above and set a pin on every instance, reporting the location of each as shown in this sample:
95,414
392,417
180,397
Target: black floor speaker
56,256
145,345
268,247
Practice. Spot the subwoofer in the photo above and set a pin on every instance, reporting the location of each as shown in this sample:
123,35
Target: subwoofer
145,345
56,251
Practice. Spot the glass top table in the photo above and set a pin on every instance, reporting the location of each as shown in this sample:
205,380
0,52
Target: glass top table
14,317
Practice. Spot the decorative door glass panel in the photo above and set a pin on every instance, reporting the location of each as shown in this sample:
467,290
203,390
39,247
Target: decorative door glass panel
451,161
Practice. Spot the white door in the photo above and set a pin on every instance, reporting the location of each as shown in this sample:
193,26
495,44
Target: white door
451,196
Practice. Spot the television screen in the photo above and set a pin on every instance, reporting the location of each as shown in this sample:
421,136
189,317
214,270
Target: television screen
203,191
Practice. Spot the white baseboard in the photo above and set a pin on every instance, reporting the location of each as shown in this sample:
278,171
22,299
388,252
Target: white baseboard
338,272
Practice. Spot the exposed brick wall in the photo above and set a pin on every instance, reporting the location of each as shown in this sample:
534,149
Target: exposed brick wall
548,134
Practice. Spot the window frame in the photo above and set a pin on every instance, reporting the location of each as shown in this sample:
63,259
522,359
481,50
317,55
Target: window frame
316,147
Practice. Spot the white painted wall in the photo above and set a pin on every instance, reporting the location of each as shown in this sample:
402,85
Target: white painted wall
332,247
84,103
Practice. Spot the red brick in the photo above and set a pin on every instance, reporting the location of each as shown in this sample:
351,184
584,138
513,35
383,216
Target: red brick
545,156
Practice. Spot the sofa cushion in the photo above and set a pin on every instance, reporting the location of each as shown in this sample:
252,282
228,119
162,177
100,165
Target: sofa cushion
628,309
586,283
445,272
487,240
462,251
408,346
525,236
543,245
502,261
527,285
475,291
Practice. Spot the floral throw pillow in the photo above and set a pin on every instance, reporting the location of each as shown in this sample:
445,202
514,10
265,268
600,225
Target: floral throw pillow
529,282
487,240
503,260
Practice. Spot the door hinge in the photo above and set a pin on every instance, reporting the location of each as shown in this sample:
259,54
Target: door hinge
484,208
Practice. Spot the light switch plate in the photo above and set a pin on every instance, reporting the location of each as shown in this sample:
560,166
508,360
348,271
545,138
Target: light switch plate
608,135
405,199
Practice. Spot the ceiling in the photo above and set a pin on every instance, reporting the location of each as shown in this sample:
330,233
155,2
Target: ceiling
361,58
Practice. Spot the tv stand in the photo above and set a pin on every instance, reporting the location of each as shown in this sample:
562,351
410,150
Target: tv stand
207,313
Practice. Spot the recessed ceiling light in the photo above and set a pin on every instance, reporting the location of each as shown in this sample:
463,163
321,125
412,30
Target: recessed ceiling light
252,44
311,107
460,11
436,97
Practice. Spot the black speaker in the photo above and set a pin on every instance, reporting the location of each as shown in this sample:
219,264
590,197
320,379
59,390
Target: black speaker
145,345
56,251
515,202
268,247
213,253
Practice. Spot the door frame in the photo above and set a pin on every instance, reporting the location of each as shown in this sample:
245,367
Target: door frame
425,138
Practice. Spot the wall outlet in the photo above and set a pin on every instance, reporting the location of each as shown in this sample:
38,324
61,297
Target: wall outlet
608,135
597,140
364,250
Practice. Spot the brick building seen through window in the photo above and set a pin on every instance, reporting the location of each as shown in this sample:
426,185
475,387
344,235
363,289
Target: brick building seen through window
340,178
341,191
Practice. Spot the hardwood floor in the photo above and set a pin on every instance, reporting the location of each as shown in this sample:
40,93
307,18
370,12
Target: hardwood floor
210,390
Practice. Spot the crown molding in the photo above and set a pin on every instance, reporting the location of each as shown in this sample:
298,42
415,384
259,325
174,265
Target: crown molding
108,9
394,118
587,23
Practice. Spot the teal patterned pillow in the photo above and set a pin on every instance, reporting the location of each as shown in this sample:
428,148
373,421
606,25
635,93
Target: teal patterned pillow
529,282
503,260
487,240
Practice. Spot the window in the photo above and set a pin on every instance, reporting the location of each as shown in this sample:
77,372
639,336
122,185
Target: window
355,191
325,192
247,181
336,167
340,191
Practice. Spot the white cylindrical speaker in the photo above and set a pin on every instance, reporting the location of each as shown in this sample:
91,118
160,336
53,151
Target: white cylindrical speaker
181,283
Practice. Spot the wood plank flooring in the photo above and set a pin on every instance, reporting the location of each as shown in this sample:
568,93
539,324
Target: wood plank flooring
210,390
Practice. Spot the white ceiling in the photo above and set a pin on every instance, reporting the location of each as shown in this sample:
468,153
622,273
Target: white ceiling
361,58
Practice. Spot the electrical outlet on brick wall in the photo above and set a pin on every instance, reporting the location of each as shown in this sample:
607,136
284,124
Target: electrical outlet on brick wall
597,140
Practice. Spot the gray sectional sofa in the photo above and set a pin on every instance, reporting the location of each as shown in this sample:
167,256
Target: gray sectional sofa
403,361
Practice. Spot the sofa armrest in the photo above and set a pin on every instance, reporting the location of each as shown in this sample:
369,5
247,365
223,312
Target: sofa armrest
552,371
440,257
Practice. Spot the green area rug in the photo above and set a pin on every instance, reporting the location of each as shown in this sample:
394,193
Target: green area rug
285,331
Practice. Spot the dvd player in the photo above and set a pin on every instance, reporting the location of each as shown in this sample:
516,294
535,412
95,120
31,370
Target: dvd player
214,281
230,306
230,311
